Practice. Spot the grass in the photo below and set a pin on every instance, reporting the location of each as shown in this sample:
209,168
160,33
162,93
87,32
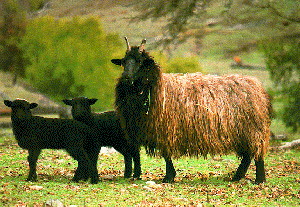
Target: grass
198,181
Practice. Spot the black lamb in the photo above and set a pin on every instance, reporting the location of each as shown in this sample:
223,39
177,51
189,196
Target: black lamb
35,133
109,133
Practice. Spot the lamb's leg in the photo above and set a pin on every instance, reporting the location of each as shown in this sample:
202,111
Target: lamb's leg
93,154
170,171
260,170
127,159
137,162
32,159
242,169
84,165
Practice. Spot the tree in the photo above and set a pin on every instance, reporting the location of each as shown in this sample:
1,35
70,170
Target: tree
12,28
283,62
197,15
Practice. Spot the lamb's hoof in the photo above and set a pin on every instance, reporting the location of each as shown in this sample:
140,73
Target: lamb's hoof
168,180
31,179
85,178
235,179
127,176
257,182
94,180
76,179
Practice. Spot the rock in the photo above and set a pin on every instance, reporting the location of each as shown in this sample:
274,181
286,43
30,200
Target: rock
54,203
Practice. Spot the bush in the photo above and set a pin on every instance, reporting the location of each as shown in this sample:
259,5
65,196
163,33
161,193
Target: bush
188,64
71,57
283,62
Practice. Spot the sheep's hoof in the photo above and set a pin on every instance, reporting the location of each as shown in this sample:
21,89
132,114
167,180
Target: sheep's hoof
31,179
94,180
235,179
259,181
127,176
76,179
168,180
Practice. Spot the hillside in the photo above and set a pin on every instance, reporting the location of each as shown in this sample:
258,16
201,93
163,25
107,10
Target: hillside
115,16
24,91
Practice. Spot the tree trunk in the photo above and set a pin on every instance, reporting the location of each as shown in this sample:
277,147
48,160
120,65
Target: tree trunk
288,145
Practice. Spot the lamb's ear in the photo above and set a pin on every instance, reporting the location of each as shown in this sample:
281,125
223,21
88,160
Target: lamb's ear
7,103
33,105
68,102
117,61
92,101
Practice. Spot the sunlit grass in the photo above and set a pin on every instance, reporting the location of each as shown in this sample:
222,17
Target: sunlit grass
198,181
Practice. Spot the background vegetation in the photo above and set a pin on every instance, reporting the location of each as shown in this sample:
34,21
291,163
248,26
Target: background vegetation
71,57
63,48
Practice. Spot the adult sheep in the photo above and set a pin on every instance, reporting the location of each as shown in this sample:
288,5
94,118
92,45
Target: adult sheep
175,115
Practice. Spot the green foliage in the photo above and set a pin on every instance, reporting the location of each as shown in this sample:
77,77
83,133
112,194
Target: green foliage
183,65
36,4
71,57
283,62
189,64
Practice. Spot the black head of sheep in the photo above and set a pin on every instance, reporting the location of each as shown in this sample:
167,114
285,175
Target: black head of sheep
81,107
135,63
20,108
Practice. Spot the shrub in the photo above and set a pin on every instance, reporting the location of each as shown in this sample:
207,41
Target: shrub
188,64
283,61
71,57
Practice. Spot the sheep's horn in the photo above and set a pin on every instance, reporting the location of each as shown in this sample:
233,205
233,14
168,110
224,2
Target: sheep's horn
128,46
142,46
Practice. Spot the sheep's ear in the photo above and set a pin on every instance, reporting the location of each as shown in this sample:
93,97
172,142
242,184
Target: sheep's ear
117,61
92,101
7,103
33,105
68,102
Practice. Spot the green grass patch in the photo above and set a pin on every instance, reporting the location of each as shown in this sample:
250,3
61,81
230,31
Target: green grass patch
198,181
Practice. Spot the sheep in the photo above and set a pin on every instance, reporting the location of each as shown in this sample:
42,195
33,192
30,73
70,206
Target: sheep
193,115
109,133
35,133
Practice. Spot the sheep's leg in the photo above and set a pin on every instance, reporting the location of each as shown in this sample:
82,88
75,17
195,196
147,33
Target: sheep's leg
127,159
137,162
242,169
84,165
32,159
128,166
93,154
260,170
170,171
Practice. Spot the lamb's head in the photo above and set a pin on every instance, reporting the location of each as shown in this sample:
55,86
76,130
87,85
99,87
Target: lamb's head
133,62
20,108
81,107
